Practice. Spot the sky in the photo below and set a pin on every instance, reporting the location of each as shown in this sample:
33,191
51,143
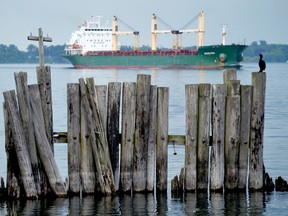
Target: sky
246,20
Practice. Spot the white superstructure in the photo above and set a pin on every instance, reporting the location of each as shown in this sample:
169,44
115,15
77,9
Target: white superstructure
92,35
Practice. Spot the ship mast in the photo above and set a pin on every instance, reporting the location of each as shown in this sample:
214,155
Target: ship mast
178,33
201,29
115,34
154,33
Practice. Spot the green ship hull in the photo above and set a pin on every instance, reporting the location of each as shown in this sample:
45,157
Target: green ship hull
206,57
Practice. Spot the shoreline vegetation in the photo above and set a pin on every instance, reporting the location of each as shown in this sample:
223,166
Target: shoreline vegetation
53,54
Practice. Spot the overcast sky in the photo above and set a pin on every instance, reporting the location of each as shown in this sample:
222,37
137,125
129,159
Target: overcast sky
246,20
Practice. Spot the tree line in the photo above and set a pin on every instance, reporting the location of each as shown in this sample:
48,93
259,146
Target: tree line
53,53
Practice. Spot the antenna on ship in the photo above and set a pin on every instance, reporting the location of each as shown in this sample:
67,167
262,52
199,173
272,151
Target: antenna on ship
224,34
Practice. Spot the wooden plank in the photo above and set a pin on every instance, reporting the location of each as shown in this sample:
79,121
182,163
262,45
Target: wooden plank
141,132
103,166
162,139
151,158
20,144
203,136
73,136
61,137
246,103
43,144
45,88
113,110
87,165
24,111
232,135
127,138
190,174
257,131
218,136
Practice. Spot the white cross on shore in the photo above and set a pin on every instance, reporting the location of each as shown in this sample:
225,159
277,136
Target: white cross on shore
40,38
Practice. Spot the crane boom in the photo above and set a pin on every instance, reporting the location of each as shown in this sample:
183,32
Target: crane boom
177,34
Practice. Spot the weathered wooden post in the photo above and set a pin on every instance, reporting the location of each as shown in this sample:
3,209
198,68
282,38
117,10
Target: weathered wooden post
73,137
44,82
104,170
246,101
151,158
114,97
218,135
141,132
42,143
19,141
12,162
229,74
25,114
256,171
127,138
162,139
87,166
204,113
190,178
40,39
232,135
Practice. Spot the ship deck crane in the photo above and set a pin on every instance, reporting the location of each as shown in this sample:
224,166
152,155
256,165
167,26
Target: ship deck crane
115,34
177,34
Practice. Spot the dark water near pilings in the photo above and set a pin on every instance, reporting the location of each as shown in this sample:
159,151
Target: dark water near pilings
275,146
139,204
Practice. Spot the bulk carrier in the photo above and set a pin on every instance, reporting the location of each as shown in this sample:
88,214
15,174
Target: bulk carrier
95,45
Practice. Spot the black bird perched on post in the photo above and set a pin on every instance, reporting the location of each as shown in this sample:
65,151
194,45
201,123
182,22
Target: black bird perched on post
262,64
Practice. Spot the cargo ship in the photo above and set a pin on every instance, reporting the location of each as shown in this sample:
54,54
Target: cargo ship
95,45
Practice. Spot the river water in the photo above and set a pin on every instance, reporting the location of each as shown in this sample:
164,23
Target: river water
275,145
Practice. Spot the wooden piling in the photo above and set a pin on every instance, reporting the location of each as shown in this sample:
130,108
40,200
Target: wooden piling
232,135
45,88
113,110
141,132
204,114
127,138
151,158
218,136
43,144
12,162
162,139
73,137
87,166
246,102
229,74
104,170
20,144
25,114
191,93
256,171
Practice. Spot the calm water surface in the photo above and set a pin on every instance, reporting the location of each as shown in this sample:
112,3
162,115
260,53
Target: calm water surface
275,145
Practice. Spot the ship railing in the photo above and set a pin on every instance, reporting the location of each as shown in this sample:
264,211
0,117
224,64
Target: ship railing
141,53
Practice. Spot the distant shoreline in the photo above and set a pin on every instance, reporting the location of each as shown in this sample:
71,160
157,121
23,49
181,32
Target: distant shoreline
10,54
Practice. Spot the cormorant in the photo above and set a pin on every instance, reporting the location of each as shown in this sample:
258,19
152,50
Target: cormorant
262,64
